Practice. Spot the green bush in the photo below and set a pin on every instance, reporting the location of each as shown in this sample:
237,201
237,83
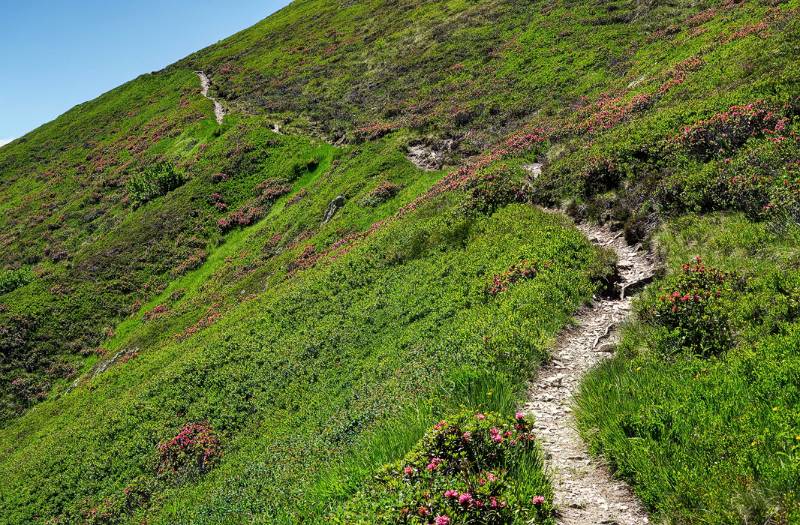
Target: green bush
153,182
10,280
689,312
470,469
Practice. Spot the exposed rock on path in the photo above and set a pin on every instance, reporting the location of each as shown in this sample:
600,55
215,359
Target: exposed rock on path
205,84
585,491
429,157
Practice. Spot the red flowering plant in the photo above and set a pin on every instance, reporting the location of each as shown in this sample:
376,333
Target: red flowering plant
194,450
731,128
464,470
271,189
382,193
689,313
524,269
490,192
243,217
763,182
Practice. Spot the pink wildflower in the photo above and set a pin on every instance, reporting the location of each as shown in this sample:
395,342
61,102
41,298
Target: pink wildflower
465,499
480,417
408,471
442,520
538,500
519,416
434,464
450,494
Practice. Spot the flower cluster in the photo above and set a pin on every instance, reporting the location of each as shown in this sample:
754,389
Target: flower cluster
524,269
297,197
678,74
375,130
243,217
210,317
730,129
219,177
271,189
609,111
688,307
192,262
759,29
382,193
216,200
307,258
156,312
194,450
461,473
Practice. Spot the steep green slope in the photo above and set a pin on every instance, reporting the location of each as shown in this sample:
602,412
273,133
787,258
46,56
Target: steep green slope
160,270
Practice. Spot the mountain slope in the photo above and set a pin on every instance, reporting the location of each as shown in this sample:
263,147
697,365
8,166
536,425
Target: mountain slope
291,280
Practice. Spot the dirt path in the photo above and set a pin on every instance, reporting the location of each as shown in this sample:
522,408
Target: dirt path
205,83
585,491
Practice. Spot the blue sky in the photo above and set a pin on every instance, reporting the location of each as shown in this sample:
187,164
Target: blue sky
58,53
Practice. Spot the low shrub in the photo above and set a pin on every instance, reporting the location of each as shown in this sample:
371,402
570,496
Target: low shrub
243,217
490,192
194,450
730,129
689,314
10,280
382,193
271,189
464,470
153,182
524,269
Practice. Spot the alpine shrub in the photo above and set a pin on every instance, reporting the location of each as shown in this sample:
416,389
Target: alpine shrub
194,450
153,182
730,129
10,280
462,471
689,312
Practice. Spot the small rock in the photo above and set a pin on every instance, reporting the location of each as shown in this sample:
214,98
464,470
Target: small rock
334,206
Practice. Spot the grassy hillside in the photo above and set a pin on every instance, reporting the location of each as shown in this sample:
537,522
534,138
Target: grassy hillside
167,277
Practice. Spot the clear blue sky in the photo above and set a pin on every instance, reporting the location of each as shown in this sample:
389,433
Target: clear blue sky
58,53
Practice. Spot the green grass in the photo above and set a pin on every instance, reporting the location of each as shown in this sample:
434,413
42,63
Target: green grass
711,440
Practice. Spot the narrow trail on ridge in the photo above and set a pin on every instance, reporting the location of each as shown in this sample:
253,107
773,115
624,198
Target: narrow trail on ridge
205,84
585,491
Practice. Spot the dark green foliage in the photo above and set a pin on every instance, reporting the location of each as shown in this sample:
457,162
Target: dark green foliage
153,182
10,280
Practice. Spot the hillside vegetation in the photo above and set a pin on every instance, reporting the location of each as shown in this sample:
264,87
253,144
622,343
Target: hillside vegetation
261,321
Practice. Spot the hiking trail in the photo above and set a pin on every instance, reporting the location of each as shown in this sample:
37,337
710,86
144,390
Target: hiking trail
205,84
585,491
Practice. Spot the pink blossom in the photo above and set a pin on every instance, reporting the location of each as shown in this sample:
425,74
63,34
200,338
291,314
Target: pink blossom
480,417
408,471
450,494
434,464
538,500
467,436
465,499
519,416
442,520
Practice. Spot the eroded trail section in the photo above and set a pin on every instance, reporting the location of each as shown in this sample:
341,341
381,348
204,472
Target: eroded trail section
585,491
205,84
